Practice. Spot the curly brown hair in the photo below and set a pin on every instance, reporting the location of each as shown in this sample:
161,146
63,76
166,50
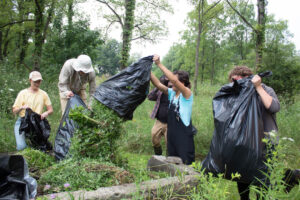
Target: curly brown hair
183,77
239,71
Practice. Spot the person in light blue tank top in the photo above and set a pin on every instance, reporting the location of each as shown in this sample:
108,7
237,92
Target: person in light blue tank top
185,108
180,135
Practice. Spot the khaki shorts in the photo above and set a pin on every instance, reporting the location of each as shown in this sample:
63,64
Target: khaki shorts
159,129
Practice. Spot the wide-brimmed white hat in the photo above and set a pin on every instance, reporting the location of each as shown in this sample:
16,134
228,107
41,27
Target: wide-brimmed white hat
83,63
35,76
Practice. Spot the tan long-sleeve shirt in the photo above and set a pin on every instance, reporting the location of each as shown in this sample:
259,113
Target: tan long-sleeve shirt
71,80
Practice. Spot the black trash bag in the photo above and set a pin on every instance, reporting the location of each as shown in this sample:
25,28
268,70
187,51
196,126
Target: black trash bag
36,130
15,182
237,140
66,129
126,90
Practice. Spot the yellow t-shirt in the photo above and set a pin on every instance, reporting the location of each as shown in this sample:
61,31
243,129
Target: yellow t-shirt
36,101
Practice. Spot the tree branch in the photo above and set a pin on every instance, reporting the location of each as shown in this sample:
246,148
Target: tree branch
142,37
38,6
241,16
111,23
211,7
115,13
16,22
155,5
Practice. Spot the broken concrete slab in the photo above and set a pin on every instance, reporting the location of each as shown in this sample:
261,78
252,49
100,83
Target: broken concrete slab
147,190
166,164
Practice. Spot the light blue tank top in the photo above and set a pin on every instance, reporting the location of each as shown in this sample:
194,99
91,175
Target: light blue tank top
185,106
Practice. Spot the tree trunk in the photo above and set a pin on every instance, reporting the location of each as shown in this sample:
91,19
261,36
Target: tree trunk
38,33
24,45
127,31
200,12
1,41
212,75
260,33
242,47
40,29
202,64
70,14
6,42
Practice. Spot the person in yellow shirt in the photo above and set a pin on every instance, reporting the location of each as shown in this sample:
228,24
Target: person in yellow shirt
35,99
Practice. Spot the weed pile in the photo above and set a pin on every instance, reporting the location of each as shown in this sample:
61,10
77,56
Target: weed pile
97,132
37,161
86,173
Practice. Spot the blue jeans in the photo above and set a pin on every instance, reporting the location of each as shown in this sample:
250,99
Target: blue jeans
20,138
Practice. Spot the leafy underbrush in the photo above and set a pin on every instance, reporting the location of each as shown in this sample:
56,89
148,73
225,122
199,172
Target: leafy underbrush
86,173
97,132
212,187
37,159
94,159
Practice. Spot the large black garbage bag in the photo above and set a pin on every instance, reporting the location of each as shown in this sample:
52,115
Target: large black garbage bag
66,129
36,130
126,90
237,140
15,182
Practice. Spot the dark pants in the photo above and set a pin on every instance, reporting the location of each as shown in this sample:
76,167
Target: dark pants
244,191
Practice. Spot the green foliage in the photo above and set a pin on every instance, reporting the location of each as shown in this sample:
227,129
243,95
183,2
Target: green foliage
288,119
211,187
11,83
85,174
97,132
109,56
275,188
281,58
37,159
59,48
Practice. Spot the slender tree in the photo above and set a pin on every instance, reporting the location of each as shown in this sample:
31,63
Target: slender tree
201,12
42,21
139,21
127,31
259,30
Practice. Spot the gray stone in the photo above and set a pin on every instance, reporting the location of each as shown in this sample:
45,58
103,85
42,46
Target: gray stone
147,190
165,164
173,159
184,178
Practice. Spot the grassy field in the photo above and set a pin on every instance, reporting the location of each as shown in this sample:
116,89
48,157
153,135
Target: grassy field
135,143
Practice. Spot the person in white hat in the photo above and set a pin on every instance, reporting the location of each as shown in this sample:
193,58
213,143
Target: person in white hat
73,78
34,98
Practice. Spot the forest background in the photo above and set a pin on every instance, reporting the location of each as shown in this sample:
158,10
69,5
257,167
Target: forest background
42,35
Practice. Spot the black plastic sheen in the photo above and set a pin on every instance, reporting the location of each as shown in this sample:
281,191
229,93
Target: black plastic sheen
126,90
237,140
15,182
66,129
36,130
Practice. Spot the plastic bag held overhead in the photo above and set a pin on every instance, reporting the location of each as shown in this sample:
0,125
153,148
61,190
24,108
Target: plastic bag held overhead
237,140
126,90
66,129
